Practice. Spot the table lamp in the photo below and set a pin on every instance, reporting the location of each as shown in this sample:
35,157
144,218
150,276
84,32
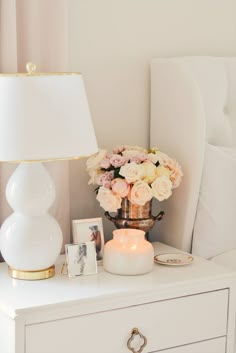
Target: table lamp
43,117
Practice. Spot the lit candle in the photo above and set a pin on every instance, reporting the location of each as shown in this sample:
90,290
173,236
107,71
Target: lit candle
128,253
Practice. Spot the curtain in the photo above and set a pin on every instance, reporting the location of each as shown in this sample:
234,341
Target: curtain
36,31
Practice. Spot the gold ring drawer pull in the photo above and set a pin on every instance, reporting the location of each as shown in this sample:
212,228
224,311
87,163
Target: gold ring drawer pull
135,332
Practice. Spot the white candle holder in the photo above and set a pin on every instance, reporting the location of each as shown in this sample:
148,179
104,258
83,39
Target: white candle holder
128,253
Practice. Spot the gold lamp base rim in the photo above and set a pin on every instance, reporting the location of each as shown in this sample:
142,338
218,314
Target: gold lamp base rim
32,275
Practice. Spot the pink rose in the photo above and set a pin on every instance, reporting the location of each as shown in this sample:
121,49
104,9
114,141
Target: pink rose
105,179
129,154
139,158
108,201
117,160
175,172
140,193
105,163
161,188
118,149
131,172
120,187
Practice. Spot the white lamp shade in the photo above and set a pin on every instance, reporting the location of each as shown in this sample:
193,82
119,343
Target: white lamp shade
44,117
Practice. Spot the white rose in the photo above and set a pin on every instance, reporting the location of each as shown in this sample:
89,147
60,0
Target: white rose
93,176
161,188
160,171
136,148
148,172
162,157
94,161
131,172
152,157
130,153
140,193
108,201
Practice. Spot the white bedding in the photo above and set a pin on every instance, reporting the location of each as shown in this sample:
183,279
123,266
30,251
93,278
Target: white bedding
192,104
214,228
193,107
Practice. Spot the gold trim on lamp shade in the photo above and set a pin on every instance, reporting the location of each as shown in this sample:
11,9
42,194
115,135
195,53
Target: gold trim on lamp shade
50,159
31,71
26,74
32,275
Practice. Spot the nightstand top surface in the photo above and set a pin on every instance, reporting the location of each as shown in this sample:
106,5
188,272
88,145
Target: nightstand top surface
17,296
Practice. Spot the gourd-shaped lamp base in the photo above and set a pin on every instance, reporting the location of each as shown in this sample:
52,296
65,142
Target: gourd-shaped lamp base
30,238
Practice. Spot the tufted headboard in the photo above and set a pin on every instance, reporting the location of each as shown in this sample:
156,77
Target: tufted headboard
192,103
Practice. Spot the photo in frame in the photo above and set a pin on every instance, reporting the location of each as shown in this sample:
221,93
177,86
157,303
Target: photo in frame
81,259
91,229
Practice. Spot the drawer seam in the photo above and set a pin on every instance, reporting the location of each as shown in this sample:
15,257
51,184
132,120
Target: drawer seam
189,344
132,306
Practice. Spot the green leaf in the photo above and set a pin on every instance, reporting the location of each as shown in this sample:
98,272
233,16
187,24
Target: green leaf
96,190
117,173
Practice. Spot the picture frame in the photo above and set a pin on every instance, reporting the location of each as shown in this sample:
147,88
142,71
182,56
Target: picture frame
81,259
90,229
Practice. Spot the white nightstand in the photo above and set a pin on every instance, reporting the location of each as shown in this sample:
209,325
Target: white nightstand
188,309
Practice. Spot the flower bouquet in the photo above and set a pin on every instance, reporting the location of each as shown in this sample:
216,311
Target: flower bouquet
127,181
133,173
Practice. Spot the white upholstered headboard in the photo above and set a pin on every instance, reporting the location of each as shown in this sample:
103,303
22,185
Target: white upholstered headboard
191,104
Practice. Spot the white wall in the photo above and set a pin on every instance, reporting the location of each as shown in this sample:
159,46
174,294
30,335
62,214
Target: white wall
112,42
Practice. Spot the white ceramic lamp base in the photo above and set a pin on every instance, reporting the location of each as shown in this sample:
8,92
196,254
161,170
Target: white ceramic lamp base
30,238
128,253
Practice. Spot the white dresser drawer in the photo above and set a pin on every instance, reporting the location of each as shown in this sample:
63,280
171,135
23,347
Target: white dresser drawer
165,324
217,345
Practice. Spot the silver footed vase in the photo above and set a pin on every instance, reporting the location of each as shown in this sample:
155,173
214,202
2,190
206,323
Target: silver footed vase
135,216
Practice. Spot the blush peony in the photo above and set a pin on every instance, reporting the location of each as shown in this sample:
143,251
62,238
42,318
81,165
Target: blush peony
105,163
105,179
117,160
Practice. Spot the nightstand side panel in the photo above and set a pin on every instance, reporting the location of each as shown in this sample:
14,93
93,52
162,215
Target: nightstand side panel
7,334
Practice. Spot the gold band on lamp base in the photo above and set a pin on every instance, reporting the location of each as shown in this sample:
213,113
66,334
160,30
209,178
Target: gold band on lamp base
32,275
